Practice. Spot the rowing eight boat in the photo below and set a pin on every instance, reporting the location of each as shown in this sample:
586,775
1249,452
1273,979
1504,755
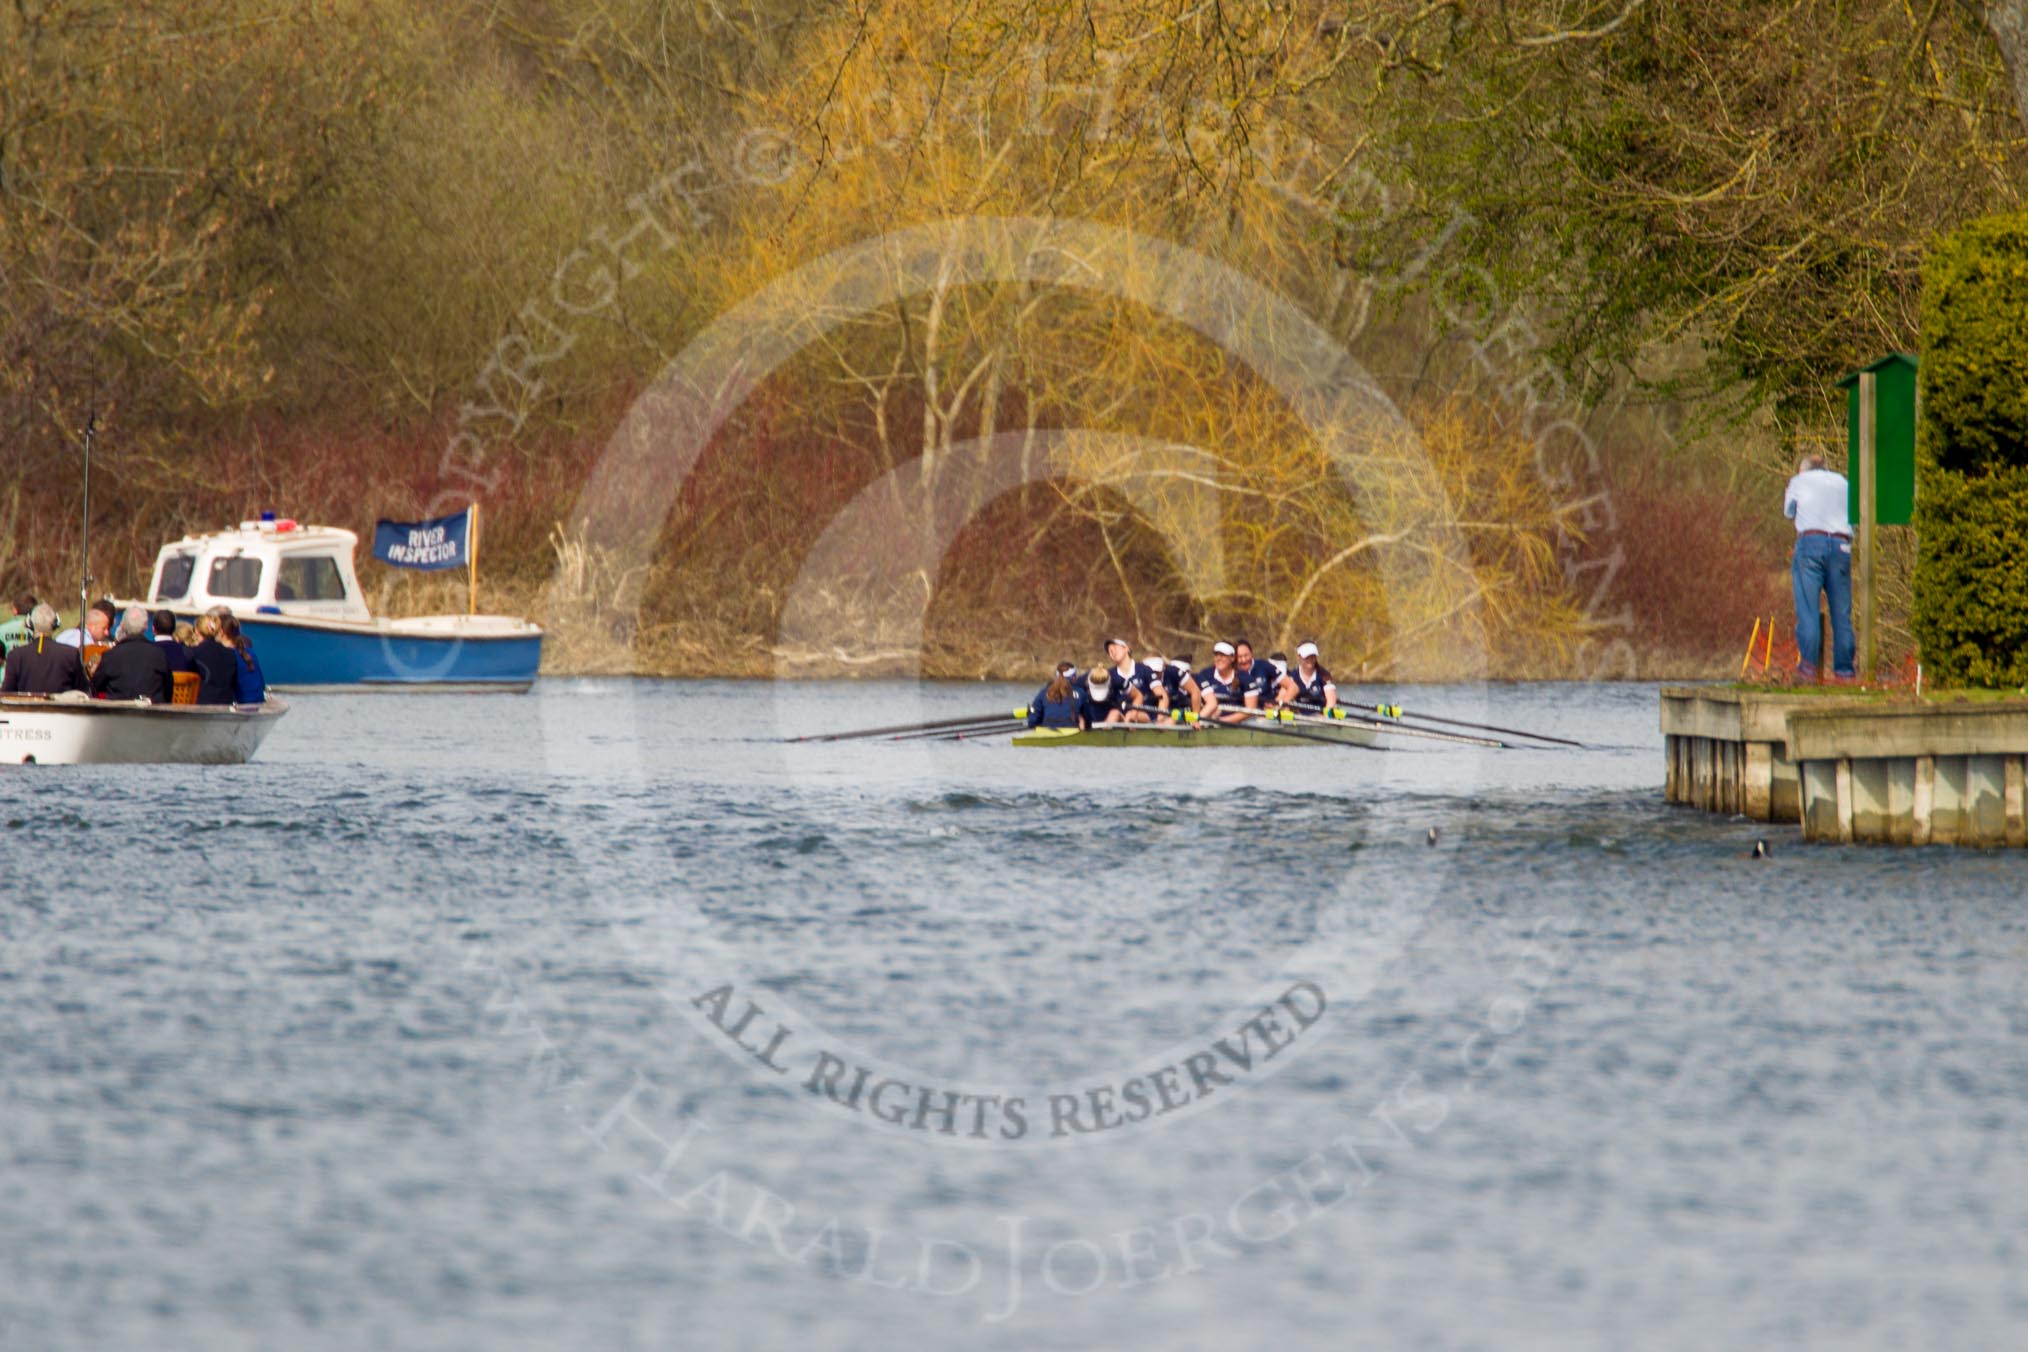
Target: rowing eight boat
1193,734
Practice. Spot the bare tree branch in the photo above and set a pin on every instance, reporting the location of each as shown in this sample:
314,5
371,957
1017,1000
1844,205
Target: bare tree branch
2009,21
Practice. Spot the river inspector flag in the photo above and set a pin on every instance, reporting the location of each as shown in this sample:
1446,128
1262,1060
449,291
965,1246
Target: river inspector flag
442,543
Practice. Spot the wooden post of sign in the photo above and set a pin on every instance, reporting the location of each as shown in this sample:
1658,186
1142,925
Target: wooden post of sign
1915,496
472,557
1869,512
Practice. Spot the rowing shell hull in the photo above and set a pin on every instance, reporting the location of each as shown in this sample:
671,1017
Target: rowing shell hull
1193,734
103,732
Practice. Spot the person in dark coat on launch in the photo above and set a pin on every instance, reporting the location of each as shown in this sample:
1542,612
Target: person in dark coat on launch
134,667
42,666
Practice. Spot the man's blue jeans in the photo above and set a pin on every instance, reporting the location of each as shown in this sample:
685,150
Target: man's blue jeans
1823,564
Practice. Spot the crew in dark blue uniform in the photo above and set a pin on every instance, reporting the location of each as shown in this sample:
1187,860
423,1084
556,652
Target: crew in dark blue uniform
1218,688
1256,677
1181,683
1056,705
1105,700
1161,685
1156,688
1307,684
1131,680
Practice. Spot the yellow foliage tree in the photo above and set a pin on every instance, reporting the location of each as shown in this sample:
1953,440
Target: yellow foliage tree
996,223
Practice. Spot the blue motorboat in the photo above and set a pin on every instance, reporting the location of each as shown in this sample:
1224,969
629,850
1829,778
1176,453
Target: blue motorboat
297,598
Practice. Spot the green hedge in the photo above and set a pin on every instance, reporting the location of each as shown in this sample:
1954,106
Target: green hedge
1975,346
1971,509
1971,577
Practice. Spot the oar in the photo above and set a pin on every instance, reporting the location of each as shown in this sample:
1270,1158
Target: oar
1005,729
1266,717
1391,728
995,726
1004,723
994,721
906,727
1272,726
1392,711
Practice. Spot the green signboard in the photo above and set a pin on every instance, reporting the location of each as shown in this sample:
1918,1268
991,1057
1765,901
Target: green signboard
1893,435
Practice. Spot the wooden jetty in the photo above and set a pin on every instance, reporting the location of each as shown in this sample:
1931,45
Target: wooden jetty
1851,768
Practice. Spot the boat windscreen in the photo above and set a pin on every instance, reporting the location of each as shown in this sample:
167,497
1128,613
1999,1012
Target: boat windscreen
176,573
309,577
237,579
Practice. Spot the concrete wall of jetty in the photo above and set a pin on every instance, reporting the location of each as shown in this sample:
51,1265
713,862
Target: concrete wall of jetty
1851,769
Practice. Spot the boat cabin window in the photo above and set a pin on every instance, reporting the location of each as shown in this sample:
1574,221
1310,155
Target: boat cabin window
176,573
236,579
310,577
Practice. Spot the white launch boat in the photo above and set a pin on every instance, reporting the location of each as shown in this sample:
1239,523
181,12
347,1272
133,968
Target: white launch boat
65,730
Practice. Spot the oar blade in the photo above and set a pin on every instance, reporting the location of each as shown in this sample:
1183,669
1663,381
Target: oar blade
996,727
931,726
1391,728
1396,712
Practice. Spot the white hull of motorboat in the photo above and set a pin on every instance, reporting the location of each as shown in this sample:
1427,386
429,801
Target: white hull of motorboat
36,730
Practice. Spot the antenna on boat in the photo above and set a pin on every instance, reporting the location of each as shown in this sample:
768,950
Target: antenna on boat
84,586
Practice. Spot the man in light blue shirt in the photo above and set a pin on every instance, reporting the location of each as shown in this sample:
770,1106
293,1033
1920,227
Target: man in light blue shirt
98,627
1821,565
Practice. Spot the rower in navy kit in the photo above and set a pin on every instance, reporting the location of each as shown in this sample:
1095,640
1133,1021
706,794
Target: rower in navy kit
1102,699
1057,705
1162,688
1154,691
1131,679
1307,684
1219,693
1256,677
1180,680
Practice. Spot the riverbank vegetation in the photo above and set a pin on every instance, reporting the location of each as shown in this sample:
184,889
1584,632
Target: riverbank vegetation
1971,582
861,337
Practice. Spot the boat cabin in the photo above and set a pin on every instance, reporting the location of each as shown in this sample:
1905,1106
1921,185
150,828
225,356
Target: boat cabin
264,567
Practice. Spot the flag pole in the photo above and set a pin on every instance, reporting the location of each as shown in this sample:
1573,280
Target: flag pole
472,557
1869,511
84,569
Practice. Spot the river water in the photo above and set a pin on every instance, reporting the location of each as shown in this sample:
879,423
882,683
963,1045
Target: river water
602,1017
